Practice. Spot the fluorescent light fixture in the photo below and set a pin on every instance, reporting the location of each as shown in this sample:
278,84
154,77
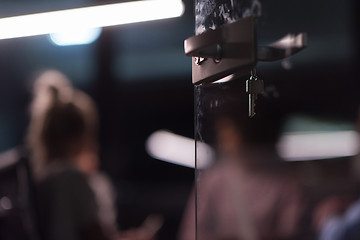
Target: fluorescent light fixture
83,36
318,145
179,150
89,17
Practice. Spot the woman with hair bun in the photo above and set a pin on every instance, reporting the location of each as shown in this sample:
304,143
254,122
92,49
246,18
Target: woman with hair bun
76,200
61,128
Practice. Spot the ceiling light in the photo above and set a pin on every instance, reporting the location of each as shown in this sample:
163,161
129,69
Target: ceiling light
89,17
318,145
179,150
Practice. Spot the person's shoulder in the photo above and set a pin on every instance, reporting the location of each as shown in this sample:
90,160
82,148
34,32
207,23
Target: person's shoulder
62,173
67,180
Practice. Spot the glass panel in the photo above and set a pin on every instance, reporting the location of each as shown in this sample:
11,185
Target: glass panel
284,173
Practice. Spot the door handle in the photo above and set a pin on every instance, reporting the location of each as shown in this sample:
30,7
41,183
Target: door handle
232,49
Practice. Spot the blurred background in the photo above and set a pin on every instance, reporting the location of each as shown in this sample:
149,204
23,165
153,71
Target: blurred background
141,82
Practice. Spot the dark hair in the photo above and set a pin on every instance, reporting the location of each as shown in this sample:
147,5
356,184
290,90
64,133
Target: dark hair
263,128
63,128
230,101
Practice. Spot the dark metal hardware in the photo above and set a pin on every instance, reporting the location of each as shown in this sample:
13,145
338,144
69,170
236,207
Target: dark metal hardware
232,49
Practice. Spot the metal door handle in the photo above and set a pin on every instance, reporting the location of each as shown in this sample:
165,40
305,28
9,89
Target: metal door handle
233,50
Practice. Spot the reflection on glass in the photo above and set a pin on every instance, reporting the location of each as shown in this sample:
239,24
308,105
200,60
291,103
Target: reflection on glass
278,175
249,192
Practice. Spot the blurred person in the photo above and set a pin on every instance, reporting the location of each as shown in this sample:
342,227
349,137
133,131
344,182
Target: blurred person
249,193
59,131
47,84
338,217
88,162
76,199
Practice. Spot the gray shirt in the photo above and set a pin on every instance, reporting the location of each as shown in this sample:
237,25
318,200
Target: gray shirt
67,204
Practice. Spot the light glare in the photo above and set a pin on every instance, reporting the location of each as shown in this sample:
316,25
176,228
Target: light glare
83,36
299,146
89,17
176,149
225,79
318,145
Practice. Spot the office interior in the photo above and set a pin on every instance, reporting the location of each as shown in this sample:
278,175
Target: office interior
141,82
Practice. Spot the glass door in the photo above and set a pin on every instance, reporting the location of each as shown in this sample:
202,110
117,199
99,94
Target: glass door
286,169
